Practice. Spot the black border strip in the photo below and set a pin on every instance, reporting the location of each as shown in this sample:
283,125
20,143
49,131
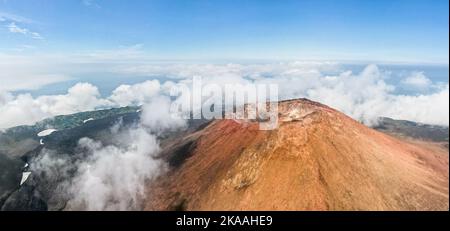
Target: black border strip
167,220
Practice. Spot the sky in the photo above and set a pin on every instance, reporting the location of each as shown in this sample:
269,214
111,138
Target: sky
382,30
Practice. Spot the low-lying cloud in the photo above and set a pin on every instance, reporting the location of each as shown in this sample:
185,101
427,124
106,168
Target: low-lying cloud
107,177
101,177
114,177
365,96
25,109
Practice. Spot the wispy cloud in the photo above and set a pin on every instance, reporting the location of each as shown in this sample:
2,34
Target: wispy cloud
4,17
12,22
14,28
90,3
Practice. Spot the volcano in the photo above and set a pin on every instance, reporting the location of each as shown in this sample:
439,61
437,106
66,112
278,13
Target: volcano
317,159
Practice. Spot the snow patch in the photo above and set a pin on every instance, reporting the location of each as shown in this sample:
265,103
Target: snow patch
84,121
46,132
25,176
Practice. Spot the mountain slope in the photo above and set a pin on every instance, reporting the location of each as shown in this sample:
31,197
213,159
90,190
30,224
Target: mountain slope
318,159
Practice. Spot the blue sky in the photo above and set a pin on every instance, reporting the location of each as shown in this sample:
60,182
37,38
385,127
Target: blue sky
392,30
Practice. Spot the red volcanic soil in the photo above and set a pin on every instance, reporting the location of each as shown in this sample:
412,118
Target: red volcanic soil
318,159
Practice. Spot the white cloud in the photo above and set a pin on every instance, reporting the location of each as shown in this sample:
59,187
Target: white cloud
114,177
417,80
36,35
156,115
135,94
81,97
110,177
14,18
13,28
431,108
24,109
90,3
5,97
364,96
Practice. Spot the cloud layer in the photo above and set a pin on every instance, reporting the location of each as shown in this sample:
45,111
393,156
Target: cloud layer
365,96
